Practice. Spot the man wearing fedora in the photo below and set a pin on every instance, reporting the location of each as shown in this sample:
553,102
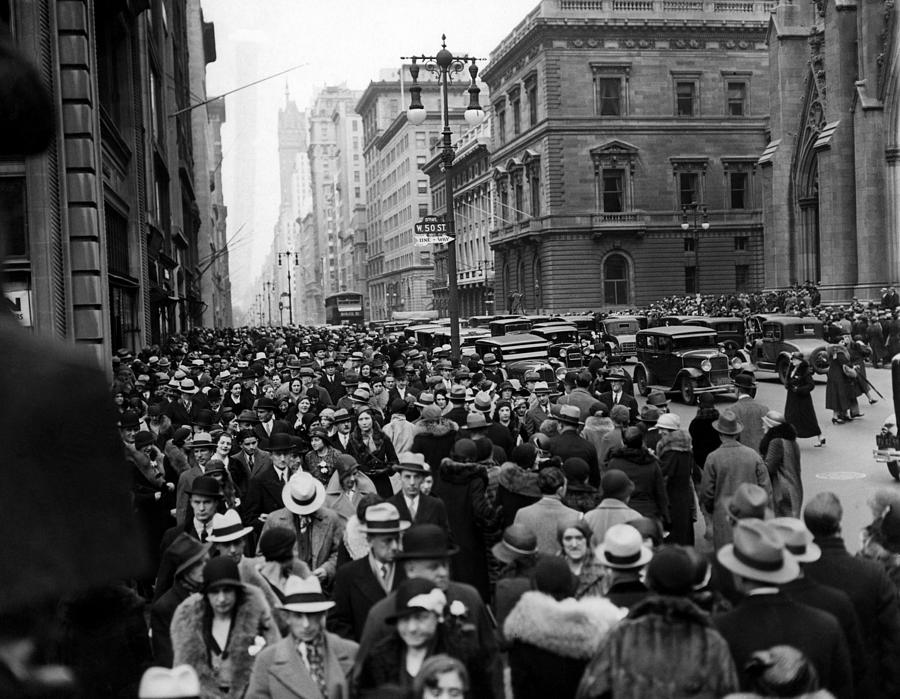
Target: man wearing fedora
624,555
748,411
412,505
569,443
581,395
618,396
343,422
264,491
268,426
540,410
726,468
358,585
309,663
184,410
201,447
331,381
250,458
426,554
766,616
549,513
318,529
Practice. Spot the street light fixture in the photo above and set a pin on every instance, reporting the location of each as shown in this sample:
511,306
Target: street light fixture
695,217
444,65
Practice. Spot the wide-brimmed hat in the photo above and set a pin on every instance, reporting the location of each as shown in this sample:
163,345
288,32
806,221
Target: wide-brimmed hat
221,571
457,394
623,548
475,421
569,415
410,461
490,359
415,595
227,527
517,541
304,595
247,415
758,553
773,418
728,423
749,501
657,399
616,374
205,486
341,415
360,395
265,403
425,541
188,386
201,440
541,388
668,421
143,439
180,682
744,380
425,398
281,442
186,551
383,518
797,539
303,494
430,412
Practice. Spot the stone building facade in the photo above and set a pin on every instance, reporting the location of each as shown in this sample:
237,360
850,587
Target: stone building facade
608,117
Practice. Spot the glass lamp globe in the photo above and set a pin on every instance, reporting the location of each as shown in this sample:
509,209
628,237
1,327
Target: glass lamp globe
416,116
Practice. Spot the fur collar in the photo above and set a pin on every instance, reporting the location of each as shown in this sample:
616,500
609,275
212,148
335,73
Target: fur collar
436,428
570,628
459,472
636,455
253,619
876,548
671,608
519,481
678,440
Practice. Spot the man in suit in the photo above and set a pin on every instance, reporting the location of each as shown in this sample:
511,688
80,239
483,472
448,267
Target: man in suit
412,505
330,380
358,585
767,617
458,411
202,448
310,663
343,422
581,395
540,411
268,425
547,514
250,459
569,443
748,411
617,395
319,529
184,410
265,488
872,593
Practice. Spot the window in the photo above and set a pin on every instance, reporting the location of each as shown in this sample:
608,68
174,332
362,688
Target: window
423,210
515,108
686,98
12,203
609,96
613,195
688,188
689,245
357,192
690,280
519,192
116,241
740,243
420,139
742,277
504,203
615,280
534,184
736,98
531,93
737,190
423,187
501,122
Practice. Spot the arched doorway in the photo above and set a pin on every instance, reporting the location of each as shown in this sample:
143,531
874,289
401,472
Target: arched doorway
806,245
616,280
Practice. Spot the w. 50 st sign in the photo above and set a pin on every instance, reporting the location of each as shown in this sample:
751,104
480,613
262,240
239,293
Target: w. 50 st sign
431,230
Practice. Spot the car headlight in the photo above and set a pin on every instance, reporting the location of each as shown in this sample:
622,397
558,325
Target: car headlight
736,363
706,365
562,353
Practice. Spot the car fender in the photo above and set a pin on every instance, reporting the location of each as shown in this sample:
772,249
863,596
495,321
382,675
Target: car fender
646,371
690,372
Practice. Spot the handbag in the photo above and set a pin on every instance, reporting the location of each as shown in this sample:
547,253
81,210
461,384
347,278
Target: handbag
849,371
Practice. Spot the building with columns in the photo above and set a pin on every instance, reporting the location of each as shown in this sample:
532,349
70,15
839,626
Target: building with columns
610,116
830,170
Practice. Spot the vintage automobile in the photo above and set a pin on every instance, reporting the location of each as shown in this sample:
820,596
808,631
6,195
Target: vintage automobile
467,338
683,359
482,321
565,345
507,326
519,353
617,337
585,323
774,337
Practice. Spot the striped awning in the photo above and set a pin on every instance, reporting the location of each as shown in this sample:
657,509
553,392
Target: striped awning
769,152
824,139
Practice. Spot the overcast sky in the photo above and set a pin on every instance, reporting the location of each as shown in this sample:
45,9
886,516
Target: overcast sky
339,41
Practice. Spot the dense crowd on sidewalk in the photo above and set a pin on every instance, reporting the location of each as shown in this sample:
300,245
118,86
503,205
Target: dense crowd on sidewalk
330,512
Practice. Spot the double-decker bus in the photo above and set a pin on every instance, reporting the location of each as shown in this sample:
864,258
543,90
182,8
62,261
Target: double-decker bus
344,309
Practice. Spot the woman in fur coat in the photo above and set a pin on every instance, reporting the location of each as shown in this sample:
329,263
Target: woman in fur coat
881,539
552,635
219,631
798,406
676,460
782,456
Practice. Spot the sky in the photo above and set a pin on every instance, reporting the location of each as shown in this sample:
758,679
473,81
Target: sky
338,41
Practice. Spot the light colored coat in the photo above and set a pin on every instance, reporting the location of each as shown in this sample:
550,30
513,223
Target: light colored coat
325,537
750,413
543,518
280,673
609,512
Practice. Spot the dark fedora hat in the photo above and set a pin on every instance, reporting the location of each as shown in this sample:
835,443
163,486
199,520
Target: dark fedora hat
265,403
206,486
185,551
143,439
281,442
129,419
425,541
247,415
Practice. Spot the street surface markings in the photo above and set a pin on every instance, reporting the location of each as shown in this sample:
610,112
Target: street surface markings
840,475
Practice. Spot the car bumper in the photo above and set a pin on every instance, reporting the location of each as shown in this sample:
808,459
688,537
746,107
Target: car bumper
883,456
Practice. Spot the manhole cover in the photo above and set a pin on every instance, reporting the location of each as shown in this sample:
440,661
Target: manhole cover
840,475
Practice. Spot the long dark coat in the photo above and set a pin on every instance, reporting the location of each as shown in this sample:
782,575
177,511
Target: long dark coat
799,410
434,440
376,464
704,439
649,496
840,389
470,515
676,463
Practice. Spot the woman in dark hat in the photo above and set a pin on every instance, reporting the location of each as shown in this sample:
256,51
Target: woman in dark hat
704,439
422,628
840,391
798,406
321,459
213,631
346,487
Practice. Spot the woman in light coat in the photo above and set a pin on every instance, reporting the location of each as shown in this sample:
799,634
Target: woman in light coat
782,456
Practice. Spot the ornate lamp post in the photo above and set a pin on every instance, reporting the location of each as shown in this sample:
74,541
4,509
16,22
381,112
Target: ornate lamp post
444,66
268,286
695,217
290,291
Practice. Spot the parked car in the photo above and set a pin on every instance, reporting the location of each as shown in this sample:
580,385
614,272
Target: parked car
682,359
519,353
509,325
617,336
773,338
565,345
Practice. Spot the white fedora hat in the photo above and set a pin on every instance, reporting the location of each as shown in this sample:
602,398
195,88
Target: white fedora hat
623,548
383,518
797,539
227,527
169,683
758,553
304,595
303,494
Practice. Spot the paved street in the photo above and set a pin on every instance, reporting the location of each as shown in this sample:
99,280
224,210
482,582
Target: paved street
845,465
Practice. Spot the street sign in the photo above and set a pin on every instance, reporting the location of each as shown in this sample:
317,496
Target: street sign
431,225
433,239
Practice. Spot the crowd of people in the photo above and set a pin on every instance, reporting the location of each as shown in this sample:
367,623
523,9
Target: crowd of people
332,512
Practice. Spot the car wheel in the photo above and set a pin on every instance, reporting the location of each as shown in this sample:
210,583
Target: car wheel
782,370
894,468
819,362
641,381
687,391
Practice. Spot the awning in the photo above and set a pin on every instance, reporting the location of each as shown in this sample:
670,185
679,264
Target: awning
769,153
824,139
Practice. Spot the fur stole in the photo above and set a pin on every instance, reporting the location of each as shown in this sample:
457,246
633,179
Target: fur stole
178,459
570,628
677,440
519,481
876,547
253,618
459,472
143,464
672,609
785,431
355,541
436,428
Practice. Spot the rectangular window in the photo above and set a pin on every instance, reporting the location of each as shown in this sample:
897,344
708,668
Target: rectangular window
423,187
690,280
504,203
12,203
737,190
514,106
689,245
686,98
740,243
688,188
736,96
609,96
531,92
613,195
420,139
501,124
423,210
741,277
535,186
520,197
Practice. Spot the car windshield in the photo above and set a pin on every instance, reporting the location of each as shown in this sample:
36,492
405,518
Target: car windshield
621,327
561,336
694,342
806,330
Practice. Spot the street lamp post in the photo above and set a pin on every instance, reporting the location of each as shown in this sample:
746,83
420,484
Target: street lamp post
444,65
268,286
290,291
695,217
